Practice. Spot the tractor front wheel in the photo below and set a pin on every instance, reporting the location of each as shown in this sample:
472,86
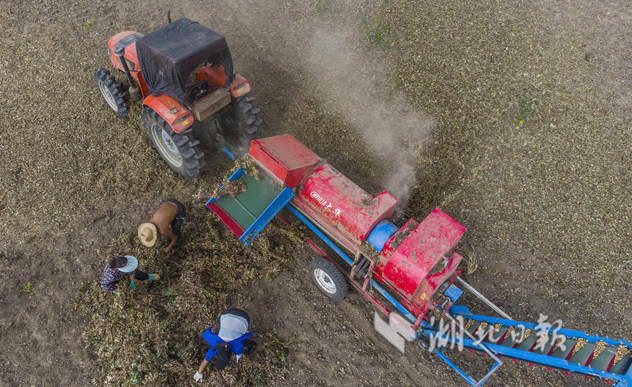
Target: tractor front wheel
112,91
179,150
328,279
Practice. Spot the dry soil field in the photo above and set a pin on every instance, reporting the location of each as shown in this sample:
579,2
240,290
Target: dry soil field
512,116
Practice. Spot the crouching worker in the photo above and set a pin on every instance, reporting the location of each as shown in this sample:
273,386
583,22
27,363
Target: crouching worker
232,337
120,267
170,213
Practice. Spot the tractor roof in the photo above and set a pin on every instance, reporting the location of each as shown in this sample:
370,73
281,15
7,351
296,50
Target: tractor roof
169,54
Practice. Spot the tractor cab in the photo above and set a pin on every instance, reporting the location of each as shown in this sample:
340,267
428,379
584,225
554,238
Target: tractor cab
189,63
185,61
183,72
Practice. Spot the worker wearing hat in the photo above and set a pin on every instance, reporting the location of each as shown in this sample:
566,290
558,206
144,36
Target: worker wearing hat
167,221
232,337
120,267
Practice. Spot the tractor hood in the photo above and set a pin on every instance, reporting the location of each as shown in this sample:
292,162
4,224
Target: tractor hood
168,55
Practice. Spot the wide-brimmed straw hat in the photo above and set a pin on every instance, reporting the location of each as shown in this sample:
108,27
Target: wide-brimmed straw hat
132,264
147,234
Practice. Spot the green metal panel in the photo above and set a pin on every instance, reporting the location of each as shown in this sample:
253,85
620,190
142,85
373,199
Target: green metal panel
619,367
602,361
246,207
581,357
568,346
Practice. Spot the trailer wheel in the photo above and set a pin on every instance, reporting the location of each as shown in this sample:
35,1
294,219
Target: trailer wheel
328,279
113,92
179,150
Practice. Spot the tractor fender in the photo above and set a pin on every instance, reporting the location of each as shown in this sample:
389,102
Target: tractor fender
178,117
239,87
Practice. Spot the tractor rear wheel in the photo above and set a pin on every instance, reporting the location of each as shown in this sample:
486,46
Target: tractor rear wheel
179,150
113,92
241,116
328,279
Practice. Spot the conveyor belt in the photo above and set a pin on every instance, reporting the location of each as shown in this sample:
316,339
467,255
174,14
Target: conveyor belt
569,350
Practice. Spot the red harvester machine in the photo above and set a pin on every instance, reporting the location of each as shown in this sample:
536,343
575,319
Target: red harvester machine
399,261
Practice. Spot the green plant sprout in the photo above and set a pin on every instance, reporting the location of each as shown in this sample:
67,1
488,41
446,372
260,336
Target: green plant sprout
377,31
26,288
526,107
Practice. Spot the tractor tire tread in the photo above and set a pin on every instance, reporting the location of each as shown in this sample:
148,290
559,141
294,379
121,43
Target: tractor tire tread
252,129
241,117
245,107
192,157
119,96
182,140
250,119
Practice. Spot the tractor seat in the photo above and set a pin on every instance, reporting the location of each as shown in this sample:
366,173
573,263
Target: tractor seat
196,91
121,45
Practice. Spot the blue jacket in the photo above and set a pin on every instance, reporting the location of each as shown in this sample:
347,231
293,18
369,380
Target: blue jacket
236,345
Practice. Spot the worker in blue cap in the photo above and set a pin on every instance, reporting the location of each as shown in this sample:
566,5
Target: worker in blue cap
232,337
120,267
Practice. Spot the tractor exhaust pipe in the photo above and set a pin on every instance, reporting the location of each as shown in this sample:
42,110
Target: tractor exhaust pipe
134,91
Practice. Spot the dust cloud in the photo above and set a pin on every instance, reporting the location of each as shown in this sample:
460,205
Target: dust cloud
353,81
357,88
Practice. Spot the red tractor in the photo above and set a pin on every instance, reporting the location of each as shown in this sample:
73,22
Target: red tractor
182,72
